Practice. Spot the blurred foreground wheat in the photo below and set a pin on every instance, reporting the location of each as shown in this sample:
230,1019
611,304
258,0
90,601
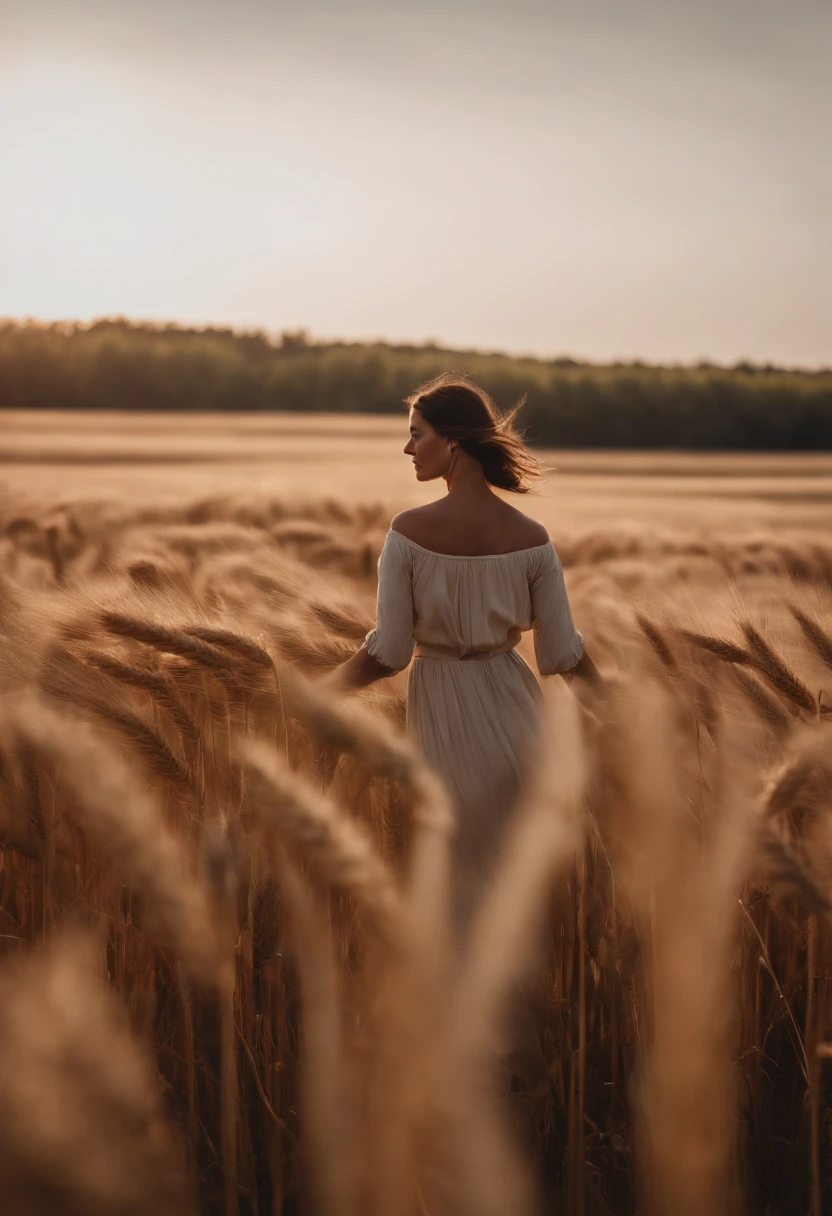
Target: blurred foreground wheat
228,981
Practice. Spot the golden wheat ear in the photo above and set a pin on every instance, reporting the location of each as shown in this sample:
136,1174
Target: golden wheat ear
336,848
766,707
347,726
776,672
170,641
296,645
787,785
343,725
339,856
67,680
236,643
658,641
719,647
104,1145
819,641
158,687
110,804
343,619
798,797
9,606
412,988
788,875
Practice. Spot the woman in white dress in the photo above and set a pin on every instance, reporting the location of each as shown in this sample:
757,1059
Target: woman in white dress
459,580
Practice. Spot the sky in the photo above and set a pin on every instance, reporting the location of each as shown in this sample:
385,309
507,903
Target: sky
600,179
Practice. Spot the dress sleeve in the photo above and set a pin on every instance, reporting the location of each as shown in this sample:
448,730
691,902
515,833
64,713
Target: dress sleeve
558,645
392,642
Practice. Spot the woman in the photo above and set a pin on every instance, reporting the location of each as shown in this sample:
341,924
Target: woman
459,580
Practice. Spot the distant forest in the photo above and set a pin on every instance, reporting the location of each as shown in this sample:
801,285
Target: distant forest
120,365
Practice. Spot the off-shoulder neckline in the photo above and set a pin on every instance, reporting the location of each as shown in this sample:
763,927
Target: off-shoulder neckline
470,557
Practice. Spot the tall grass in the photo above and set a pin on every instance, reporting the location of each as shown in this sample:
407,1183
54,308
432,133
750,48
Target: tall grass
230,981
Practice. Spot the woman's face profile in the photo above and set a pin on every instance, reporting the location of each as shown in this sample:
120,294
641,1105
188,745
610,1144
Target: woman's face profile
431,452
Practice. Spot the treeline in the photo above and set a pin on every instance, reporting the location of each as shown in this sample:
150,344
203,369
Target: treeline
118,365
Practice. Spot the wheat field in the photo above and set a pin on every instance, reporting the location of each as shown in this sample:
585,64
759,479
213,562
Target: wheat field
228,981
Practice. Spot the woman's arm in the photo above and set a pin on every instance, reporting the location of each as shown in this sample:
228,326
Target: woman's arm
358,671
558,645
389,647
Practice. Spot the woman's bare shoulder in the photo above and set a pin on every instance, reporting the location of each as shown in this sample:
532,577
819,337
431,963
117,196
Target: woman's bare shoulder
416,523
527,531
506,529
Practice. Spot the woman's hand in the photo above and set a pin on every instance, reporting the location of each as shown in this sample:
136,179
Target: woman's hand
586,670
358,671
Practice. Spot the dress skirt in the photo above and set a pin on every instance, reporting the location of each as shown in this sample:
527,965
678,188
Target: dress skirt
474,722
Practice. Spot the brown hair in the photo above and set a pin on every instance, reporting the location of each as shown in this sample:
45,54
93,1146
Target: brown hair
459,409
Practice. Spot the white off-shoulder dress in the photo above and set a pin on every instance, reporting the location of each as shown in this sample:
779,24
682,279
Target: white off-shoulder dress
473,703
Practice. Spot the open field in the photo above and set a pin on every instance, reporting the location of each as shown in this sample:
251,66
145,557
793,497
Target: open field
223,946
358,458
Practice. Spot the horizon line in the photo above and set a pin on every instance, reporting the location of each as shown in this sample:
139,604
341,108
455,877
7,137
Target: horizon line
305,336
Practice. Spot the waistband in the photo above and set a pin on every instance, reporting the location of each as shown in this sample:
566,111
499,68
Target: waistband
423,651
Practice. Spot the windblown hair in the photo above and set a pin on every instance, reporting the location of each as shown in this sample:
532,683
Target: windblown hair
460,410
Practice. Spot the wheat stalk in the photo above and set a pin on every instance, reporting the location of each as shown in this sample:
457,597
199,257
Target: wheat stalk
324,1111
108,801
688,895
82,1128
415,977
343,725
338,850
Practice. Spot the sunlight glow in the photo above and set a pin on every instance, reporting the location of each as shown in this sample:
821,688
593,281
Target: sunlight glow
544,184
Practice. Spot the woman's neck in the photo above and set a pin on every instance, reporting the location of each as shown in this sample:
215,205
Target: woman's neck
465,478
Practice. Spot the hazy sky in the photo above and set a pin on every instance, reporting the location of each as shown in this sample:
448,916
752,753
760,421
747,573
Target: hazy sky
600,178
